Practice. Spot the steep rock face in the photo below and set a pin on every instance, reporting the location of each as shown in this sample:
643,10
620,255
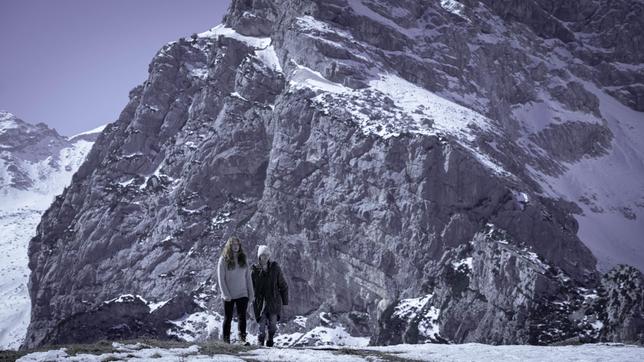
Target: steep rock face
622,300
494,290
600,33
335,132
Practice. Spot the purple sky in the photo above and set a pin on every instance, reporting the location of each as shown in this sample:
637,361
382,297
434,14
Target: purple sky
71,63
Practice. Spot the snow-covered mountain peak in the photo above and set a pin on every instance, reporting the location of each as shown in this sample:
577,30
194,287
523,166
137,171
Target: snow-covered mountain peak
33,157
7,121
36,164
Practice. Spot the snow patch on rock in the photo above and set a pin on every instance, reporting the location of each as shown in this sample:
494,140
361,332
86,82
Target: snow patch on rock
221,30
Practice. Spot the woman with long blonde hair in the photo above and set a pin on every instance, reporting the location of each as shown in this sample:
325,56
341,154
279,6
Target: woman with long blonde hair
236,286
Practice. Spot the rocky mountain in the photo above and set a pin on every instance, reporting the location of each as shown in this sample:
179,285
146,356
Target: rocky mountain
36,163
434,171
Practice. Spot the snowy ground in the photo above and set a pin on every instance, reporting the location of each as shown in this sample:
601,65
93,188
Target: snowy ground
424,352
16,228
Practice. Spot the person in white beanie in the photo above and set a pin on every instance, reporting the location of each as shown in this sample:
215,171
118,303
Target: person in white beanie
271,292
236,286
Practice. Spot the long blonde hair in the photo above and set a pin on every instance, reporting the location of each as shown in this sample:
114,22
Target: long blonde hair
229,255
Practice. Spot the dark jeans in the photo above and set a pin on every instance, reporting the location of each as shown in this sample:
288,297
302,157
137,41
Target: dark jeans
240,304
269,320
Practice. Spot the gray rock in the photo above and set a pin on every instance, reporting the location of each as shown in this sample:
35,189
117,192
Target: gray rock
218,142
571,141
621,305
576,98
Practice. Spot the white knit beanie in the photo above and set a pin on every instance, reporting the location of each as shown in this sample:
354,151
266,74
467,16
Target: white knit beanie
263,249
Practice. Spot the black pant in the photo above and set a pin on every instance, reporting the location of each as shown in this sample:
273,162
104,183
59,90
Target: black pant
265,320
240,304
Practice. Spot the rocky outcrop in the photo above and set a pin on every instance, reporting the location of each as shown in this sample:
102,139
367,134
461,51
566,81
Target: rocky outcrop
491,284
601,34
573,140
126,317
317,128
621,305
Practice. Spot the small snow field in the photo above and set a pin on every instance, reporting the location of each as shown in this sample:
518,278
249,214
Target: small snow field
157,350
